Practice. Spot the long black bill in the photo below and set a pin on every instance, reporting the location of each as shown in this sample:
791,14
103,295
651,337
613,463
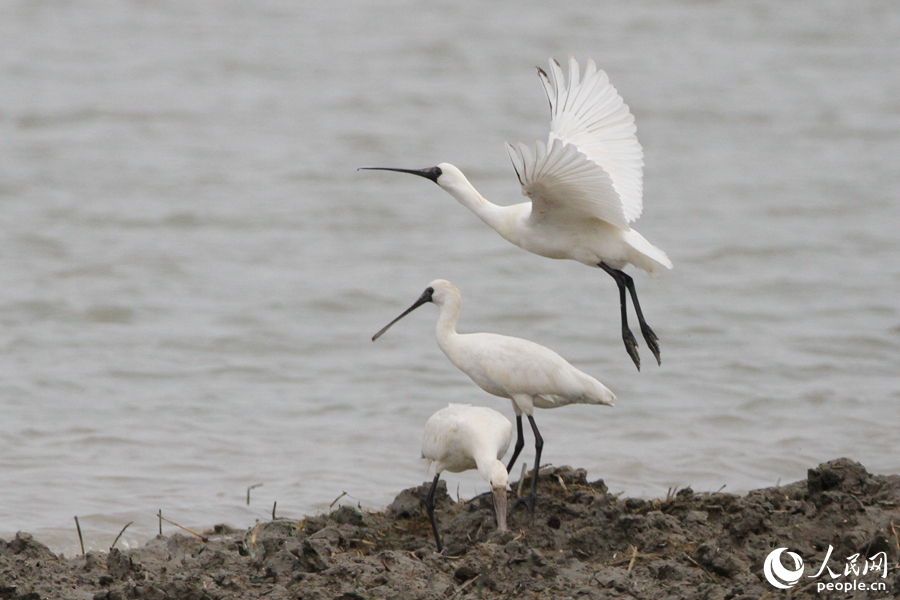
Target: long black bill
431,173
424,298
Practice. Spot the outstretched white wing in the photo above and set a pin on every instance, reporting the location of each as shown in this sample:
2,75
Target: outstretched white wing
589,114
563,181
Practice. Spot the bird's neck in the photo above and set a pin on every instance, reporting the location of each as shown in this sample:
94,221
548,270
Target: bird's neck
501,218
490,468
445,331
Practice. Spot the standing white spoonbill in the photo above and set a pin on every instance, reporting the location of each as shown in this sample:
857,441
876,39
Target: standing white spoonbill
585,186
526,373
462,437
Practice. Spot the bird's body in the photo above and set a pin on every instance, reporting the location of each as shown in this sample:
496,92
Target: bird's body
462,437
557,234
528,374
585,187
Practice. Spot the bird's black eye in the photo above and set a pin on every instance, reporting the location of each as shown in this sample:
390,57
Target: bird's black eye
428,294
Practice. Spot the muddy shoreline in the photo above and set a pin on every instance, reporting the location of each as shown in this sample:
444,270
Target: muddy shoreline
582,542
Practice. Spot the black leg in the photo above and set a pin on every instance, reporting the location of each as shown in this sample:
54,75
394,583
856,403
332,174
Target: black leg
649,336
538,447
520,443
429,506
627,336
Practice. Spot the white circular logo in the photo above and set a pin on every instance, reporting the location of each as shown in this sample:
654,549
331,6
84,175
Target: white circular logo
776,573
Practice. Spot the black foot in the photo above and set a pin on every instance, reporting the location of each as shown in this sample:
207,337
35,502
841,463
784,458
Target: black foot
652,342
528,501
631,347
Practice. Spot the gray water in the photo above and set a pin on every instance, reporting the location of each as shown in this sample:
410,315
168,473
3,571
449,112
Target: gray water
191,267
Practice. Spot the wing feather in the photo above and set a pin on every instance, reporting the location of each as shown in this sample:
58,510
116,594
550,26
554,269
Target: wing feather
563,180
588,113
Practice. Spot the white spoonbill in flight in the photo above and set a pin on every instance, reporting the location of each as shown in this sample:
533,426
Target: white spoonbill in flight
526,373
585,187
462,437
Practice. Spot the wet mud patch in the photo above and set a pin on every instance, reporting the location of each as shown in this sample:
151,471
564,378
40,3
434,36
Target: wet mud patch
581,542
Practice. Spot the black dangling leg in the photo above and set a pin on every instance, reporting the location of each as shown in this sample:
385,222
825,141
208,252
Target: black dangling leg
649,336
627,336
520,443
429,507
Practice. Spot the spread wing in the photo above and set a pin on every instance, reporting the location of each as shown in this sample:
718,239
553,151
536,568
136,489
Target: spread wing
588,114
563,181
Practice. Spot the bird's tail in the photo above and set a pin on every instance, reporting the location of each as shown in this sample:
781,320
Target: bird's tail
596,392
648,257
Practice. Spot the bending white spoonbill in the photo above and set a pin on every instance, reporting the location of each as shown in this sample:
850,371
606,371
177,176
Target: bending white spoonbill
526,373
585,187
462,437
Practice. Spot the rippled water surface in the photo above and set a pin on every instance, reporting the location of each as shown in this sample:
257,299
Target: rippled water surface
191,267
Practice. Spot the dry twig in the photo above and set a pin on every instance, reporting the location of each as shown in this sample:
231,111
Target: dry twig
80,539
896,535
256,485
699,566
330,506
463,587
521,481
162,518
120,535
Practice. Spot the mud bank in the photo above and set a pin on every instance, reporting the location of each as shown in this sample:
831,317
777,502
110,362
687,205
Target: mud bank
582,542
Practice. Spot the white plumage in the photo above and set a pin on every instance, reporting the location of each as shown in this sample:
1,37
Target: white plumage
526,373
585,187
462,437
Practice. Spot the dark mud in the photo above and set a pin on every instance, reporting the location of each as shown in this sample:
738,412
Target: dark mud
581,543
